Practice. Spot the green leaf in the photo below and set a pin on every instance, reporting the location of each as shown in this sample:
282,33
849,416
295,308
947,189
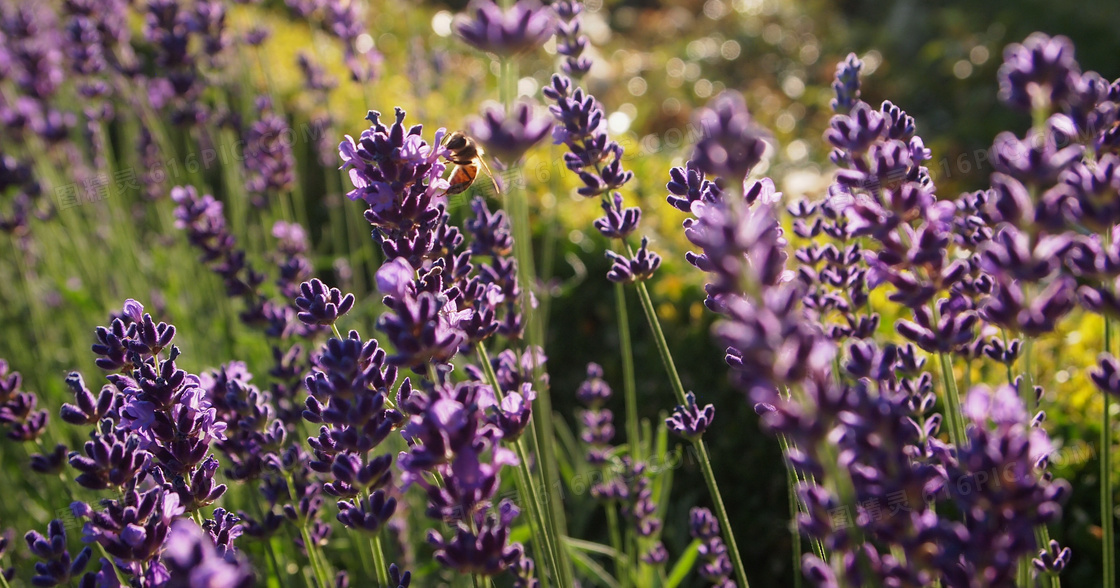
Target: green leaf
684,565
591,547
588,565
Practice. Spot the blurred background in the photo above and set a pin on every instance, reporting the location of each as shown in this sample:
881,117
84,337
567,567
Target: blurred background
655,62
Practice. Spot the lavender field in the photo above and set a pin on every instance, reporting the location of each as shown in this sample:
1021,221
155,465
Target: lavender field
624,294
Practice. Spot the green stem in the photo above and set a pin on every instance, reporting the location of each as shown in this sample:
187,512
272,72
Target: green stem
311,557
317,567
952,401
705,461
721,512
526,489
379,565
629,389
552,514
659,339
1108,536
794,509
255,501
621,567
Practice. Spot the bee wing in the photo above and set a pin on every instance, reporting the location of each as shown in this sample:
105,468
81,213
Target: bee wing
486,168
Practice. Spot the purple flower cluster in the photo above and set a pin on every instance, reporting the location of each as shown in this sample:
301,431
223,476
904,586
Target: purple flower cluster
863,436
400,177
269,162
509,136
581,125
155,426
18,414
596,422
716,566
523,28
456,454
438,300
344,21
348,389
56,567
570,40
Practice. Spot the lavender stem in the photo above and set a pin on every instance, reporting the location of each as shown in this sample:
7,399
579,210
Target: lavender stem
702,450
630,393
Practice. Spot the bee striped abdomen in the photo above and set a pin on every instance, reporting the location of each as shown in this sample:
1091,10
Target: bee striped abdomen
462,176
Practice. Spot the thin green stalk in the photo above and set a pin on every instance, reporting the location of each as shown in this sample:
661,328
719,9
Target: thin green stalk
659,339
1031,402
255,501
621,566
705,461
794,509
320,578
553,513
952,401
525,487
629,389
721,512
381,568
312,550
1108,527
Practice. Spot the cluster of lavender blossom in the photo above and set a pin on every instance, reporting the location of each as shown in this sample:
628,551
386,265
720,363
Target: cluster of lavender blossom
980,278
444,299
898,479
151,432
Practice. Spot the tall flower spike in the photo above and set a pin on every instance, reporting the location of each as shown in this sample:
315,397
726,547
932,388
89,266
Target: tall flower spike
400,177
570,40
732,143
525,27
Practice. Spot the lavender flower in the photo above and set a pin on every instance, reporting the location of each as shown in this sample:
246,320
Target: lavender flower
525,27
134,528
57,566
717,566
508,137
617,222
638,268
400,177
570,41
113,458
1037,73
423,326
846,85
192,560
732,143
269,162
17,408
447,435
322,306
689,420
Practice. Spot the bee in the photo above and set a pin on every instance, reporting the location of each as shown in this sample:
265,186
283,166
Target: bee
466,154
